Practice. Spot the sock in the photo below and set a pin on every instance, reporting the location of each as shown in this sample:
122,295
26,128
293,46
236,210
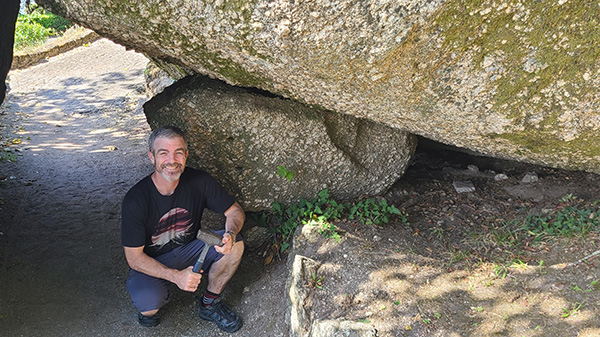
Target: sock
209,298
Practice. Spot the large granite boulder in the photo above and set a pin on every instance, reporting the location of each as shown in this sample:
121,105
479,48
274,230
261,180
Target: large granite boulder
514,79
242,136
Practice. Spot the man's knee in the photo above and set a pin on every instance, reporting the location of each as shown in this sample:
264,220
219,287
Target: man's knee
238,249
147,293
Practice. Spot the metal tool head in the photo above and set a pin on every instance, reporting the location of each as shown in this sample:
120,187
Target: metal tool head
210,238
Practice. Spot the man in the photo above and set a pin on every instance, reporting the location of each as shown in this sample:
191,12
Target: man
160,220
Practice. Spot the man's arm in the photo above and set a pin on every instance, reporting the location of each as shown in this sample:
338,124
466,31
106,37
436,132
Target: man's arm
235,218
139,261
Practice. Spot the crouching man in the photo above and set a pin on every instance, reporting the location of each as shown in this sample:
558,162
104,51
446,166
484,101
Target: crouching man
160,220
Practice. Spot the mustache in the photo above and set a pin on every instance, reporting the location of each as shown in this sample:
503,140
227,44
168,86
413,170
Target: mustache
171,165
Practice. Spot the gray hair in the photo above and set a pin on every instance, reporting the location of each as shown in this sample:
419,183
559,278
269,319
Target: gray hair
165,132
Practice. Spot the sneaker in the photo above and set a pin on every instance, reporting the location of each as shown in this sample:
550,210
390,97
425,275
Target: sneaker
220,313
148,321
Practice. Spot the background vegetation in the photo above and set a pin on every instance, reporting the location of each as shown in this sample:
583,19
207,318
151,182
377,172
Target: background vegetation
36,25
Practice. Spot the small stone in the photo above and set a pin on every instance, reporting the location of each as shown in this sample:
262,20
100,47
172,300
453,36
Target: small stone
463,186
345,256
530,177
376,238
473,168
500,177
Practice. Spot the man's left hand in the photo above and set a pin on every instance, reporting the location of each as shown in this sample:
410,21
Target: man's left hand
228,240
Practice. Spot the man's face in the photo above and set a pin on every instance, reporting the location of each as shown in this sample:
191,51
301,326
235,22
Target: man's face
169,157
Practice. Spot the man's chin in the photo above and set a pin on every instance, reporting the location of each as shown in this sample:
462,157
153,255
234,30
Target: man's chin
171,177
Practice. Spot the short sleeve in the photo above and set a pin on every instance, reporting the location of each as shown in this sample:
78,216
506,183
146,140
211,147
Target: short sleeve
133,215
217,198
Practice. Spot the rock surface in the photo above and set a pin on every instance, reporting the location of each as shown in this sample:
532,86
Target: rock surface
241,137
516,79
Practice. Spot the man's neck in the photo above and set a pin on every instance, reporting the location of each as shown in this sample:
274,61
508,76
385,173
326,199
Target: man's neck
164,186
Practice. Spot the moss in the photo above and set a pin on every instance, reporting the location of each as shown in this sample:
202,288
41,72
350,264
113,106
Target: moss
557,42
541,142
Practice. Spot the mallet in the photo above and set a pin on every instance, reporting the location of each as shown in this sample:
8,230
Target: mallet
210,239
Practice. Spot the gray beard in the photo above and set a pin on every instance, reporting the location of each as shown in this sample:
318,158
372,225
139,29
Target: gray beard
170,178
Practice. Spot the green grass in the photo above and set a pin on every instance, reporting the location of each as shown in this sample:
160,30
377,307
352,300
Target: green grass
35,28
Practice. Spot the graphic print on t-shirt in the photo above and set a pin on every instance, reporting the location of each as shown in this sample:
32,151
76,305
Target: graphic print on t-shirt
172,226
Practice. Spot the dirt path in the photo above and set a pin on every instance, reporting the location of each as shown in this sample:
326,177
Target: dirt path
81,142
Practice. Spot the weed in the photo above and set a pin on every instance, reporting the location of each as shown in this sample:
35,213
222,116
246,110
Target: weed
7,155
572,311
508,234
540,266
315,281
595,284
438,232
459,255
518,264
500,270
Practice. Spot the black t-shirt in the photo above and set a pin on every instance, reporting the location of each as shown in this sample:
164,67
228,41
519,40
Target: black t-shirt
162,223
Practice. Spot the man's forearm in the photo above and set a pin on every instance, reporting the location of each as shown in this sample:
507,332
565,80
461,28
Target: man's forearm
143,263
235,218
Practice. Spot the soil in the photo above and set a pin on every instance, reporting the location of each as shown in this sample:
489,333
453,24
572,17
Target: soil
74,140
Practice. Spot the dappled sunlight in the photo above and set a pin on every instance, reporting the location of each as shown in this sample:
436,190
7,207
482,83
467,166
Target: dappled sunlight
419,294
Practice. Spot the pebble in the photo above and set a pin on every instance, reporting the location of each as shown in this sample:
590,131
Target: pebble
376,238
473,168
530,177
500,177
463,186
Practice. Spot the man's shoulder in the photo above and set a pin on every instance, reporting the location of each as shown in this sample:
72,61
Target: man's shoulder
142,187
193,173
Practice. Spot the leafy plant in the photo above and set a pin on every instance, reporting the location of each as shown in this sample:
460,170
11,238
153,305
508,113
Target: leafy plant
371,212
322,211
285,173
572,218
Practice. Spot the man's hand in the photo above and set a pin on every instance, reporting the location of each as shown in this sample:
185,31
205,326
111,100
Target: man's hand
234,220
228,240
187,280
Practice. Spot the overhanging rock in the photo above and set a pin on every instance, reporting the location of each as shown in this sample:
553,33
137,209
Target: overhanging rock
512,79
242,136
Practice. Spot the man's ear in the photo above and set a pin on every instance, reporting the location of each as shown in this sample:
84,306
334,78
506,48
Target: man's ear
151,156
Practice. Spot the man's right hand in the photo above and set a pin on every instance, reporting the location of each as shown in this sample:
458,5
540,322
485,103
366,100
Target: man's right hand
187,280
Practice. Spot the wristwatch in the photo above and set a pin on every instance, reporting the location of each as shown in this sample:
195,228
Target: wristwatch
232,235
